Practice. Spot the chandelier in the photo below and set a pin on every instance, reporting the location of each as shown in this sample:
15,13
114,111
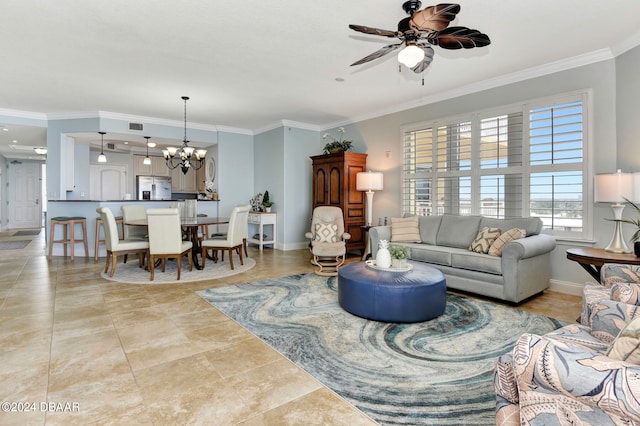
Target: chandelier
185,157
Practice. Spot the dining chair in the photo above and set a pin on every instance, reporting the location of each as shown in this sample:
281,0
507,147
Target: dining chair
165,239
115,246
236,234
134,212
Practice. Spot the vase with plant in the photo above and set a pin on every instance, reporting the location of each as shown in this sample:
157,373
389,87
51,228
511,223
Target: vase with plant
636,235
399,256
266,202
336,145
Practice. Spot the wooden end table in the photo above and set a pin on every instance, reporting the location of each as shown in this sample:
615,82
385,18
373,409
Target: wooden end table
592,259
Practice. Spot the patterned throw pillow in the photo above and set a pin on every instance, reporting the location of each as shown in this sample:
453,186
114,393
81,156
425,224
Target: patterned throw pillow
626,346
626,293
510,235
484,239
326,232
405,230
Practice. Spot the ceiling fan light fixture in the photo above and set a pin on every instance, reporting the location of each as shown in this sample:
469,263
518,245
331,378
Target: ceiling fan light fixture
410,56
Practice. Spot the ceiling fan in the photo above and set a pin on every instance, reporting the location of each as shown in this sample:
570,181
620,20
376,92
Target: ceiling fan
423,28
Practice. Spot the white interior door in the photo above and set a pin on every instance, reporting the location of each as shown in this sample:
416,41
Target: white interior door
108,181
25,208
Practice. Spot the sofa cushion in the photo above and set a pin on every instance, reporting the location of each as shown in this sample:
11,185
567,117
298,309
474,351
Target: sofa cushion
533,225
457,231
484,240
429,253
405,230
429,226
626,346
504,238
326,232
465,259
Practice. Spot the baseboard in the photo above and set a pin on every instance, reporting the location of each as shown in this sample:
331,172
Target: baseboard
566,287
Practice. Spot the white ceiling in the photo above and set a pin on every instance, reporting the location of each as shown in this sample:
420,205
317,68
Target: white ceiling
252,64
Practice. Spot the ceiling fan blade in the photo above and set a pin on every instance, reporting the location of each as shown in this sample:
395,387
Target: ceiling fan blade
377,54
434,18
428,58
374,31
458,38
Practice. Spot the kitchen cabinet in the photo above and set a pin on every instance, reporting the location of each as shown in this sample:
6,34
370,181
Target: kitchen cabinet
158,166
181,182
334,184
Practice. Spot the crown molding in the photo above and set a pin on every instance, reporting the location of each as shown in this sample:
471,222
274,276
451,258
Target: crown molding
23,114
515,77
146,120
288,123
626,44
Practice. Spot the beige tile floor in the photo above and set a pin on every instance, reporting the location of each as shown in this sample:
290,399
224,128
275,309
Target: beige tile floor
144,354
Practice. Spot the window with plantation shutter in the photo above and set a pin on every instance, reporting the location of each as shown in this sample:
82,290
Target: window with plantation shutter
525,160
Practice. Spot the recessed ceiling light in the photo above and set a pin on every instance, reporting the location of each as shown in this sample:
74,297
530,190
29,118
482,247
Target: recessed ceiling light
14,141
41,151
4,129
126,143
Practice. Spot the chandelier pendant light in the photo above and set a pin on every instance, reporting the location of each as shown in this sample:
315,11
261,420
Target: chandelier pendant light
147,159
102,158
185,157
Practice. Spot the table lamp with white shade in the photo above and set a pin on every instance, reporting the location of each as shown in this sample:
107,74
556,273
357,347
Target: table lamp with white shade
615,188
369,182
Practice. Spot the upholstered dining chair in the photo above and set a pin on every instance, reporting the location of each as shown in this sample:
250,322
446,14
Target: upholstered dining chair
328,240
115,246
165,239
234,241
134,212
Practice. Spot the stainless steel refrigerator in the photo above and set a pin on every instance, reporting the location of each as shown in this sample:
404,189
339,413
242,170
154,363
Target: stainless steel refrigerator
153,187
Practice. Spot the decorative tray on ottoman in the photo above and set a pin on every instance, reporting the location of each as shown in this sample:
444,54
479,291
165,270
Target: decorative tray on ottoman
371,263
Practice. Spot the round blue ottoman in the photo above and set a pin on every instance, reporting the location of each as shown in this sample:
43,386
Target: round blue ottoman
414,296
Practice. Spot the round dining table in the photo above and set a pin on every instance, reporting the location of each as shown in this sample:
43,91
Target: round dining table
190,226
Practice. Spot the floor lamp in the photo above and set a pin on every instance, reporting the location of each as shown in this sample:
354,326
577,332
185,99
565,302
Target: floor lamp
369,181
615,188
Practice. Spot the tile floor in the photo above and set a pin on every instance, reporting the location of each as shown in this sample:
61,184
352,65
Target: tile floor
144,354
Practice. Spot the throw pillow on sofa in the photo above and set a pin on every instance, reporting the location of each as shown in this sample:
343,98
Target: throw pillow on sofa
405,230
626,346
484,240
326,232
626,292
510,235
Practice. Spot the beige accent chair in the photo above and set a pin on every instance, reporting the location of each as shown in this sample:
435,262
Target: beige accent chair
115,246
165,239
134,212
328,250
234,241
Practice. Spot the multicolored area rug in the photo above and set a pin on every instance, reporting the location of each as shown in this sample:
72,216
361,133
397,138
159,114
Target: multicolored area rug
434,372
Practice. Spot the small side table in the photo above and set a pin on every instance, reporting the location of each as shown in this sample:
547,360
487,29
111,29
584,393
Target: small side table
260,219
367,246
592,259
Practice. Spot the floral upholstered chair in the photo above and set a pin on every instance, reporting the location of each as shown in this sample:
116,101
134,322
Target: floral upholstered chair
585,373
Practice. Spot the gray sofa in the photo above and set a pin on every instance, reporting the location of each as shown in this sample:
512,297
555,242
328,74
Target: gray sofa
521,272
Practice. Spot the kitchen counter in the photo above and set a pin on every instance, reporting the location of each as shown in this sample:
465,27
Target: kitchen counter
87,208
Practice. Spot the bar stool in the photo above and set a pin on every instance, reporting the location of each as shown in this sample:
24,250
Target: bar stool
119,220
68,238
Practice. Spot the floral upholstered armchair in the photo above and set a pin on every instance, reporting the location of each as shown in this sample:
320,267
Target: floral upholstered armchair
585,373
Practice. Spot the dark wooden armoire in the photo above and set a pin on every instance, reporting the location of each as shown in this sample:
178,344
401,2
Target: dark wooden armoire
334,184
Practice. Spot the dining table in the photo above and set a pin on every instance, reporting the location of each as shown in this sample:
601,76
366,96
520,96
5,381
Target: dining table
190,226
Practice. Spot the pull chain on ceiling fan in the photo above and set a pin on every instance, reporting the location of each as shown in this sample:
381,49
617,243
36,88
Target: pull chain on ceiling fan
423,28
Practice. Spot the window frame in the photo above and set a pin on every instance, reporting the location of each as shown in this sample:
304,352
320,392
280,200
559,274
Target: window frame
525,170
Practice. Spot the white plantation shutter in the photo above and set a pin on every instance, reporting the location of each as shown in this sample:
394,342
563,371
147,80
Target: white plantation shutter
528,160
